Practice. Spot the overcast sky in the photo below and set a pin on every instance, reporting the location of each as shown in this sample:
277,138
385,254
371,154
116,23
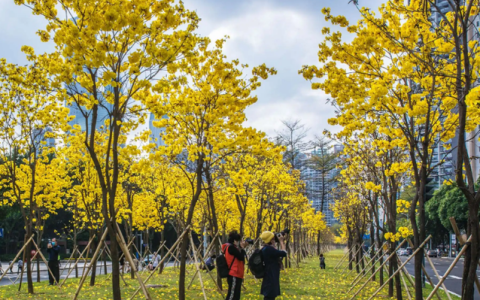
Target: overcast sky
281,33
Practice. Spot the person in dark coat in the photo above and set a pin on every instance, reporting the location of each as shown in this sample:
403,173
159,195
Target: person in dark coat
322,262
272,258
53,264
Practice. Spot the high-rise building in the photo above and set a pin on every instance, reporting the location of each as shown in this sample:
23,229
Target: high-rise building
39,138
317,184
156,131
103,113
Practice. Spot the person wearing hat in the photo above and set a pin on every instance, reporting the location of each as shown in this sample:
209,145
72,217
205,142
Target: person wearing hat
272,259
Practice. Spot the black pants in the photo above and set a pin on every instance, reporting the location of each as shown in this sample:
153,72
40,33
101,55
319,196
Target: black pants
53,265
269,298
234,288
322,266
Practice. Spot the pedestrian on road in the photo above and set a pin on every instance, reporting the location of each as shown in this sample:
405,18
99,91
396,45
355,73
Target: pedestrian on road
272,258
53,264
19,265
235,256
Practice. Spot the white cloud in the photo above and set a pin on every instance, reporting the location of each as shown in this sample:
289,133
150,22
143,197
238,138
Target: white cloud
282,34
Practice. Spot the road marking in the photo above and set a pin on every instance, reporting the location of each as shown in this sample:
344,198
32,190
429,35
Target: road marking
454,277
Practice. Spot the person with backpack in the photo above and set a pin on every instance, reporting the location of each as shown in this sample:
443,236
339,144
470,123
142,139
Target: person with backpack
272,259
322,262
235,260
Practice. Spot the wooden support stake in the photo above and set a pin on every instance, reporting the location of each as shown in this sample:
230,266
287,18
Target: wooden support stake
401,267
166,255
355,255
341,260
196,265
426,273
107,251
405,286
123,246
372,260
461,240
455,261
381,266
203,260
84,276
69,260
76,262
44,260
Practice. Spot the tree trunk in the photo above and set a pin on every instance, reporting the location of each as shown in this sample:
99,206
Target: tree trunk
472,256
27,259
372,249
318,243
183,250
350,254
214,219
94,268
38,258
117,295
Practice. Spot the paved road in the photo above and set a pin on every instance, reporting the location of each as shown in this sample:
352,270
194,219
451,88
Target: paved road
453,281
14,278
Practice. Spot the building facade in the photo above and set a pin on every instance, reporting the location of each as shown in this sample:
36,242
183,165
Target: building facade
317,183
155,135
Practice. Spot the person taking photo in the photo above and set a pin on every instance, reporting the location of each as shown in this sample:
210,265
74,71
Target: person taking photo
235,256
272,258
53,264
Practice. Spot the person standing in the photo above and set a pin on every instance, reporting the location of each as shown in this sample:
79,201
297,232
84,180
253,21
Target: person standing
53,264
322,262
272,259
235,257
19,265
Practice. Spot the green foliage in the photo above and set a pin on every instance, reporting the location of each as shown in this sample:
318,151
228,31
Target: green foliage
336,229
451,203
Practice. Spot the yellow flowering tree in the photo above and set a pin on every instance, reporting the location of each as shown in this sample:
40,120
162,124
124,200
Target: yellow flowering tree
385,80
30,116
204,98
107,54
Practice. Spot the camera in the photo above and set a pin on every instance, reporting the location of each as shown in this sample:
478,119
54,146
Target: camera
282,233
249,240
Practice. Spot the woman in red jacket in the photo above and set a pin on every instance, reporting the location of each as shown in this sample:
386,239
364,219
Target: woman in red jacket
235,256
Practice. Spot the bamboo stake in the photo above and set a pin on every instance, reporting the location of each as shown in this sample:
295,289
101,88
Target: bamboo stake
123,246
405,271
76,262
402,266
107,251
84,276
405,286
16,257
203,259
45,261
196,265
69,260
462,242
425,271
438,276
341,260
372,260
381,266
166,255
455,261
355,255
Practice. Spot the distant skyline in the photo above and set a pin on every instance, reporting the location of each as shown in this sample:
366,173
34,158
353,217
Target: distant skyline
283,34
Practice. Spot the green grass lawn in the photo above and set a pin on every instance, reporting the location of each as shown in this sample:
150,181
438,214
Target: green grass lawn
304,282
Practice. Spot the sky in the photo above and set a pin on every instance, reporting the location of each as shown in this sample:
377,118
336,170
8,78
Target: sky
280,33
